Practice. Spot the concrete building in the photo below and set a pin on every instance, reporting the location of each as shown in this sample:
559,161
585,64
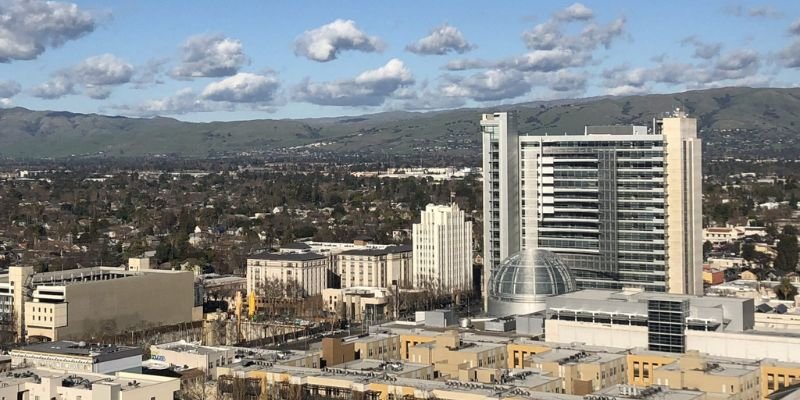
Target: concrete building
735,380
78,357
776,375
304,272
80,303
633,318
442,249
581,372
385,384
357,304
374,267
193,355
43,384
449,354
621,205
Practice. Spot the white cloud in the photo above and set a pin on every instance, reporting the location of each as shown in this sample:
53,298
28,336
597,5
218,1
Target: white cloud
210,55
97,74
703,49
370,88
9,89
490,85
58,86
441,40
183,101
753,12
575,12
466,64
28,27
794,28
326,42
243,88
790,55
103,70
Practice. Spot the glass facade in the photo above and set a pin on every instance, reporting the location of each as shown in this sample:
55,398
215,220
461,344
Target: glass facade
666,325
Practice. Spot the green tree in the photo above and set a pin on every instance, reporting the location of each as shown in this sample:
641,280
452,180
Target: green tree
786,259
785,290
748,251
707,247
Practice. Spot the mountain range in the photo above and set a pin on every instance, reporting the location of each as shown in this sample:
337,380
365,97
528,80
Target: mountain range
734,122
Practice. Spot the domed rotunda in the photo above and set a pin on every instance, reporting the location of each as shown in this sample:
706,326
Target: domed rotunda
522,282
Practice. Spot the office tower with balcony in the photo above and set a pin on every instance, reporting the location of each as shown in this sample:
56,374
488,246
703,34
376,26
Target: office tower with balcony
620,205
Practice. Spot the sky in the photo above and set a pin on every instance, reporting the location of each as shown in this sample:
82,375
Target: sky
211,60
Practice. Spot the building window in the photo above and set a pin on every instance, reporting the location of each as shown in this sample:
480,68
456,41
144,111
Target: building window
636,374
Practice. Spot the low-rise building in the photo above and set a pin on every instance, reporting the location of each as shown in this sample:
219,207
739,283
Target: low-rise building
776,375
357,303
81,303
296,274
735,380
581,372
722,234
78,356
193,355
375,267
448,354
40,383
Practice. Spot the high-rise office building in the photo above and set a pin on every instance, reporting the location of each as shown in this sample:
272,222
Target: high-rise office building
442,249
620,205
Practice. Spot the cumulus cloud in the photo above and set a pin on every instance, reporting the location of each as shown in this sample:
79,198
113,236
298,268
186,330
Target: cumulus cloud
790,56
370,88
183,101
328,41
97,74
491,85
28,27
794,28
149,74
702,49
575,12
738,67
103,70
566,81
441,40
58,86
9,89
547,60
463,64
243,88
210,56
737,64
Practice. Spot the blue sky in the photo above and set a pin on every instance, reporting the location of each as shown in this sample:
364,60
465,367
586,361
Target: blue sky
204,61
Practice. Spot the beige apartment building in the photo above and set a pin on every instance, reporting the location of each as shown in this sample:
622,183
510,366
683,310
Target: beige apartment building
581,372
303,274
776,375
82,303
375,267
44,384
449,354
357,303
731,379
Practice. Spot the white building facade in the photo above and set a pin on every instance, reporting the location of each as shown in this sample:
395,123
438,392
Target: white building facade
620,205
442,249
306,271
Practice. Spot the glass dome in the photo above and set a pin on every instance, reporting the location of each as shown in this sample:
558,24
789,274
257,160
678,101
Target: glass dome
528,277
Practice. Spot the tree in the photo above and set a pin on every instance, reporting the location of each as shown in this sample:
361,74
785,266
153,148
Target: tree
707,247
786,260
785,290
748,251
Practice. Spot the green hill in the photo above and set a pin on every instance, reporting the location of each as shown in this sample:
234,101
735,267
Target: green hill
735,122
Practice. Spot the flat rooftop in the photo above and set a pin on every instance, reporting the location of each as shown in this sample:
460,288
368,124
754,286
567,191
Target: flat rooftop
98,352
657,392
380,365
569,356
378,252
188,347
126,381
287,256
